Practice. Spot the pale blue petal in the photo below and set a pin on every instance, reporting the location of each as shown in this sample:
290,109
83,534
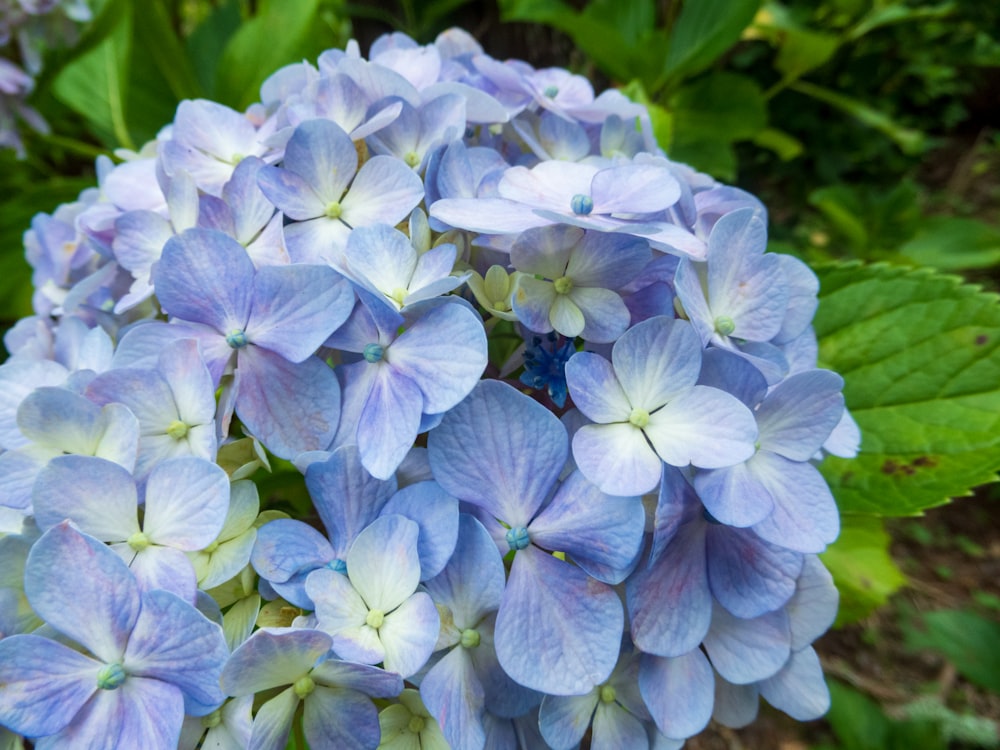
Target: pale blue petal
175,643
336,718
688,284
745,651
733,374
389,421
605,314
677,503
291,193
566,317
813,607
563,720
82,589
324,155
617,458
805,517
747,575
285,547
733,495
372,681
161,568
44,684
504,697
409,633
317,241
634,189
206,277
381,258
384,191
340,609
273,722
269,659
703,426
678,691
800,413
669,603
97,495
616,728
558,630
736,706
453,695
18,472
290,408
799,688
532,301
17,380
521,448
591,527
436,514
383,563
186,503
595,388
655,360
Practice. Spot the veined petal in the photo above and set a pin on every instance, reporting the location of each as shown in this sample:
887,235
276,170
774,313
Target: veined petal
799,688
595,388
384,191
339,718
617,458
269,659
436,514
273,722
390,420
564,720
339,607
186,503
324,155
453,695
678,691
805,517
158,567
285,547
800,413
655,360
733,495
383,563
408,635
747,575
745,651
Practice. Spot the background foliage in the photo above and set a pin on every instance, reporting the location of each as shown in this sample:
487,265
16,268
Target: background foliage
870,128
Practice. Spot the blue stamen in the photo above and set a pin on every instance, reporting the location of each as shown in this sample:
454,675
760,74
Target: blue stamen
110,677
581,204
338,566
518,538
373,353
237,339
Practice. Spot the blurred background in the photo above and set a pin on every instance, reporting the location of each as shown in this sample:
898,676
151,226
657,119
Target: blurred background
870,129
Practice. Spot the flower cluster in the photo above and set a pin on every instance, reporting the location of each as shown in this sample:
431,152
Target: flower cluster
27,29
556,410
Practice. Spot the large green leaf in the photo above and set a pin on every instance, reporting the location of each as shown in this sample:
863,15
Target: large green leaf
970,642
703,31
862,567
949,244
920,356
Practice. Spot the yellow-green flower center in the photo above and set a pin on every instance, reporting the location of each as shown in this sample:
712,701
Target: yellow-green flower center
333,210
304,686
416,724
138,541
375,618
639,417
563,285
177,429
607,694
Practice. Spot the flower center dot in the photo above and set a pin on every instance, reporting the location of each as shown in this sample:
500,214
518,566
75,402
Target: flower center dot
563,285
639,417
551,92
518,538
337,565
373,353
375,618
333,210
138,541
237,339
110,677
304,686
213,719
412,158
607,694
725,325
470,638
177,429
416,724
581,204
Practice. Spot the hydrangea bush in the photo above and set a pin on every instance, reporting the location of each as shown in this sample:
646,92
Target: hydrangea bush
556,410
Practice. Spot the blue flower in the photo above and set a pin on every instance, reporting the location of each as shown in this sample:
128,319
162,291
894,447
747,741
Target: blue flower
545,366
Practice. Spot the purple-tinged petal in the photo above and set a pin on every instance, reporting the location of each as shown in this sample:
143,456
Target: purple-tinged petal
384,191
704,427
409,633
669,604
595,388
745,651
372,681
443,353
273,722
617,458
634,189
486,215
614,728
17,380
655,360
436,514
97,495
520,450
733,495
805,517
383,563
161,568
296,308
453,695
269,659
813,607
205,277
591,527
532,301
175,643
186,503
82,589
736,706
43,684
800,413
390,419
338,718
291,193
678,692
289,407
558,630
799,688
733,374
605,315
324,156
747,575
472,582
564,719
285,547
342,613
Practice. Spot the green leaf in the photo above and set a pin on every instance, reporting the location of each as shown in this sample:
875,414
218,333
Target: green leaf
966,639
703,31
781,143
843,209
909,141
207,42
920,357
282,32
862,568
950,244
160,43
710,115
857,721
95,85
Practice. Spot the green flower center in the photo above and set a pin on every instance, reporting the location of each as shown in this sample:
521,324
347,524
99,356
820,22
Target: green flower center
110,677
725,325
138,541
563,285
412,158
639,417
304,686
416,724
375,618
177,429
333,210
470,638
213,719
607,694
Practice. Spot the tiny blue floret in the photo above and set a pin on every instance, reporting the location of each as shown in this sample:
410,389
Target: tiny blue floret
373,353
338,566
518,538
551,92
581,204
545,366
111,677
237,339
